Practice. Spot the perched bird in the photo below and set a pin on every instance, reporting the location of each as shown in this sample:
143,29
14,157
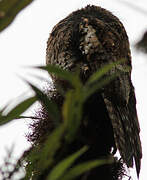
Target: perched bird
90,38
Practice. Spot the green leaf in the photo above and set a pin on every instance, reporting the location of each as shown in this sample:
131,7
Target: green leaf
102,71
17,110
62,167
9,9
72,78
58,71
84,167
51,146
68,107
49,105
72,112
42,156
89,90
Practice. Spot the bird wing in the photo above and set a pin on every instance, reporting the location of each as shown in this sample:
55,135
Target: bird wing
120,101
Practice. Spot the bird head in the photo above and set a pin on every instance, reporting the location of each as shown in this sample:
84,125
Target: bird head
87,39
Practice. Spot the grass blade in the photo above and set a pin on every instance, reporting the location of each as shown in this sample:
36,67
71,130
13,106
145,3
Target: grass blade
72,78
42,156
102,71
49,105
72,113
84,167
9,9
17,110
61,168
89,90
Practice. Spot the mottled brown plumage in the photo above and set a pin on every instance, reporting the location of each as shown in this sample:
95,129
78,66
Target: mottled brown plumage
89,38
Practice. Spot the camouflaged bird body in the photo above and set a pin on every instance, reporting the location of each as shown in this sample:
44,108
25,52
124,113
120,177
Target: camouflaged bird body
90,38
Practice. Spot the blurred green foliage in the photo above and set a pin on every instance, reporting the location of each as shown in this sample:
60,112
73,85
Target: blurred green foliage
42,157
9,9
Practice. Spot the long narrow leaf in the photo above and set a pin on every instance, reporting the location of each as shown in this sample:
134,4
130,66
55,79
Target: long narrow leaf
72,113
72,78
84,167
58,71
50,106
42,156
88,91
102,71
61,168
9,9
17,111
50,147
